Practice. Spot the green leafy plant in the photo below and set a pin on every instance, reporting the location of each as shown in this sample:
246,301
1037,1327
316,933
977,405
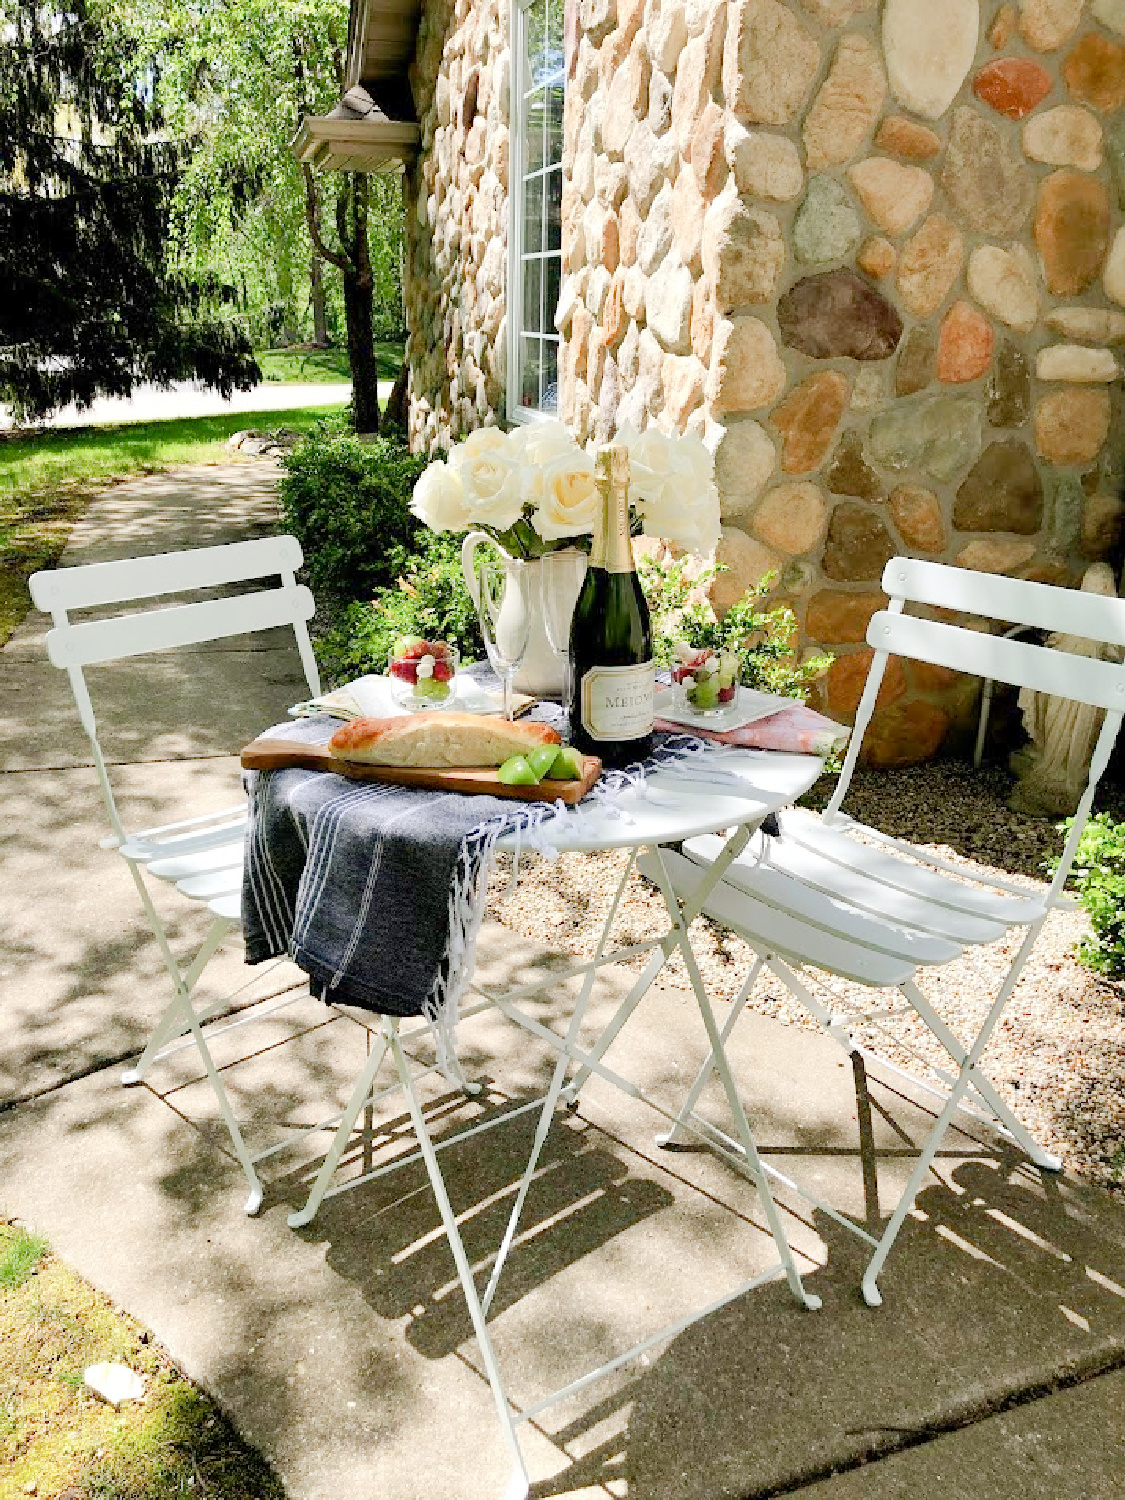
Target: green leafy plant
428,598
346,500
1098,873
761,638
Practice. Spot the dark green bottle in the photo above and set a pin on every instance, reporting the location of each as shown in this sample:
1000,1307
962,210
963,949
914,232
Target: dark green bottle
612,674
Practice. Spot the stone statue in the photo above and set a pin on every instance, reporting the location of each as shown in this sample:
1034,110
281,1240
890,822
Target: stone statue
1053,769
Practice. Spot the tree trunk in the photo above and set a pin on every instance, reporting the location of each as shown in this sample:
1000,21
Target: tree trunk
361,353
359,306
395,411
316,296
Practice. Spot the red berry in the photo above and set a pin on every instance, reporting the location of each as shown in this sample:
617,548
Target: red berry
443,671
406,669
726,695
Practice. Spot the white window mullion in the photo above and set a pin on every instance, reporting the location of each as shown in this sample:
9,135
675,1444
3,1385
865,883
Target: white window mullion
533,267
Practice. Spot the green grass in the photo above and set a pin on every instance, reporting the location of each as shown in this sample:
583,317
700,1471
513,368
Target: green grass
56,1437
47,478
322,366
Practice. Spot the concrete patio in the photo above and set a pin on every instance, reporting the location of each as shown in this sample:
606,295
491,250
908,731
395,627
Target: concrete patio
996,1367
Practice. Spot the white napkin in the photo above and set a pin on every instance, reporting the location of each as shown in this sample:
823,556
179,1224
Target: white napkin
371,697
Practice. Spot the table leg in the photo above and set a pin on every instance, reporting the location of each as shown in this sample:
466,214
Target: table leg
518,1485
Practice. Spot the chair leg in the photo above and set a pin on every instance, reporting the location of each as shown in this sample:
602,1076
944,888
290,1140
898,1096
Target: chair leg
518,1484
977,1080
671,1139
170,1025
340,1140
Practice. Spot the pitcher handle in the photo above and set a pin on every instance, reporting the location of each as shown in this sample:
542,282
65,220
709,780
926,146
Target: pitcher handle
468,551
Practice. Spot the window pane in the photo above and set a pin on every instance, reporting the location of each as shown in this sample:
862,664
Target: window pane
534,132
533,216
536,40
532,321
550,401
552,268
529,384
553,109
555,41
552,186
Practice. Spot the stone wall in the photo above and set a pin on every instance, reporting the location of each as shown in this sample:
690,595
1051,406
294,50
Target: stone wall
456,199
874,255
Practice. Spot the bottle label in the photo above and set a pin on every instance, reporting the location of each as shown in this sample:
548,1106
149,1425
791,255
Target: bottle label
617,702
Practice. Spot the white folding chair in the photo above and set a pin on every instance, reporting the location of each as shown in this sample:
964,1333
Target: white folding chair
832,899
201,857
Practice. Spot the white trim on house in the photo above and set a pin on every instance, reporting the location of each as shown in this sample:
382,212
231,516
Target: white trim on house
544,184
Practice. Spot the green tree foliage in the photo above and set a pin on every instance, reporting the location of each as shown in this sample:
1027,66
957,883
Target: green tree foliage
1099,874
315,256
89,304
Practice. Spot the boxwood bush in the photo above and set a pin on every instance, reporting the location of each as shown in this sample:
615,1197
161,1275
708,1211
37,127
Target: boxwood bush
376,572
346,501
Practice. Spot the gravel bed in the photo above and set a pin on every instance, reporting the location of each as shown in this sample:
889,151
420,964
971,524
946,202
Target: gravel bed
1058,1055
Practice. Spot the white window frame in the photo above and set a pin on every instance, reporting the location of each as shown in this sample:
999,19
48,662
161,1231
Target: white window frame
517,176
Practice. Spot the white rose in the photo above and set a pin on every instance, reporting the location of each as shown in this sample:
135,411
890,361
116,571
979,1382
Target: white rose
542,441
489,466
568,495
439,500
672,484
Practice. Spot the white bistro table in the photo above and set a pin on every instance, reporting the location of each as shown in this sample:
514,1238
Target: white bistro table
731,792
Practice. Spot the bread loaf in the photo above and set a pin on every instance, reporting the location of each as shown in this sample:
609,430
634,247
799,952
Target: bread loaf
438,739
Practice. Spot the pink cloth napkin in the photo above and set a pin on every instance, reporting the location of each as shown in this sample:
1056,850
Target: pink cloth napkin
797,730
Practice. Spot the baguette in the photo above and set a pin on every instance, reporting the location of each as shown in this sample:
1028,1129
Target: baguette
439,740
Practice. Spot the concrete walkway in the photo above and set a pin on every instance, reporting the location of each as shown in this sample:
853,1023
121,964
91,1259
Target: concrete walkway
996,1368
153,403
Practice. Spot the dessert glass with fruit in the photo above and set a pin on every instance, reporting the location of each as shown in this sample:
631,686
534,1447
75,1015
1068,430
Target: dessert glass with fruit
707,680
423,673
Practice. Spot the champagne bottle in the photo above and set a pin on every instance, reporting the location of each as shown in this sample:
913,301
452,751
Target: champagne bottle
611,666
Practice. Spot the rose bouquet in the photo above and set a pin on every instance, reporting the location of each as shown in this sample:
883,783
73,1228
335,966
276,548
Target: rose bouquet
533,489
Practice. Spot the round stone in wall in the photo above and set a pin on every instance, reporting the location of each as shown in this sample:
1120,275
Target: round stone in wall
938,435
847,105
838,315
929,50
744,461
1002,492
1066,136
1071,230
1013,86
893,194
1003,282
827,226
849,472
808,418
1046,24
1071,425
985,176
791,518
929,265
746,371
859,545
1076,364
746,562
1095,72
917,514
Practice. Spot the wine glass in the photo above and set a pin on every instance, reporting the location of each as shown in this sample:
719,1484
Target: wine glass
505,617
560,582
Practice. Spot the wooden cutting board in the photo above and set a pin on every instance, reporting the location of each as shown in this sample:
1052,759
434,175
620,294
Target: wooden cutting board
275,755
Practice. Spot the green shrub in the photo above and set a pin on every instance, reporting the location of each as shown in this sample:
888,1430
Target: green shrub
428,598
762,639
1099,874
346,501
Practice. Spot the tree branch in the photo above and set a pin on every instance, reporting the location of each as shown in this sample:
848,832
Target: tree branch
312,216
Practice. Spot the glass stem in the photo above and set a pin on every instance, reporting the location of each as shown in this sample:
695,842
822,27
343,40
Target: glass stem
508,675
